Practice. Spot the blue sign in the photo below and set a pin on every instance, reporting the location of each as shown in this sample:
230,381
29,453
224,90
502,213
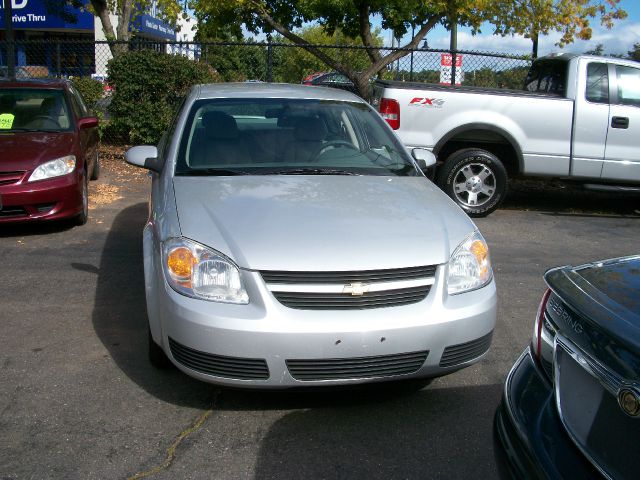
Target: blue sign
153,27
36,14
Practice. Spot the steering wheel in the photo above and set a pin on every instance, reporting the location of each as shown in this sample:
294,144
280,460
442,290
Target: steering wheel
43,121
334,144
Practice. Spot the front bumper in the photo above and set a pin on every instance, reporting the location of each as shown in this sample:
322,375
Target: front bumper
529,439
51,199
381,339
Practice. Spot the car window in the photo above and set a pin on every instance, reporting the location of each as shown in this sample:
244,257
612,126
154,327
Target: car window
262,136
33,109
597,83
547,77
78,100
628,85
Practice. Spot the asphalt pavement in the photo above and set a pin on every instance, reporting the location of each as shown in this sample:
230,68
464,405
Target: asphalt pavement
79,399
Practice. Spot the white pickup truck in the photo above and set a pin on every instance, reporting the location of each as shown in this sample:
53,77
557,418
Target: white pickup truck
578,118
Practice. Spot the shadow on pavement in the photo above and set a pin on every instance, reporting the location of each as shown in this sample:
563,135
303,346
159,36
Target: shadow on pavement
120,319
31,229
569,199
434,433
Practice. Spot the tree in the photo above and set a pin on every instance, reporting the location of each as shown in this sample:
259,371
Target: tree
125,10
351,17
599,50
294,63
635,53
533,18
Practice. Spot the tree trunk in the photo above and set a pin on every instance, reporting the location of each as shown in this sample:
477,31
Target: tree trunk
363,87
101,9
534,40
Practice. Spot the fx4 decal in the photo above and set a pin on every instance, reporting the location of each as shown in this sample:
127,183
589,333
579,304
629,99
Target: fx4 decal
426,102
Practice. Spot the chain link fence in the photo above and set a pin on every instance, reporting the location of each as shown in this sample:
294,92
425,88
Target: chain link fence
265,62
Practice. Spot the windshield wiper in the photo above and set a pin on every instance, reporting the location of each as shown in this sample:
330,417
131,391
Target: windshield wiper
306,171
212,172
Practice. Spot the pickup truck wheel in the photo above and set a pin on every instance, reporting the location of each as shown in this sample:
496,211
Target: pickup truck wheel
475,179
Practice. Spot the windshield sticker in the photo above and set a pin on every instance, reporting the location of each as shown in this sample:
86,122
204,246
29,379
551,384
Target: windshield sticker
6,121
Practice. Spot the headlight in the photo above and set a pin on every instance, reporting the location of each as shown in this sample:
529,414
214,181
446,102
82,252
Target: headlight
54,168
469,266
197,271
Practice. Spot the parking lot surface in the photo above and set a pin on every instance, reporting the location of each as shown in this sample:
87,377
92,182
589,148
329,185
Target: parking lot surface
80,400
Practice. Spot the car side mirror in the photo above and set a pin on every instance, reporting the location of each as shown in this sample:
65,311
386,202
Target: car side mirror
88,122
144,156
425,158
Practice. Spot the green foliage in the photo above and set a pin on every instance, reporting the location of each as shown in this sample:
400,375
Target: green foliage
571,18
512,78
635,53
90,89
148,88
292,64
598,50
236,63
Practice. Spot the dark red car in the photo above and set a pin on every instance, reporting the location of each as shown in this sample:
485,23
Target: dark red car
48,151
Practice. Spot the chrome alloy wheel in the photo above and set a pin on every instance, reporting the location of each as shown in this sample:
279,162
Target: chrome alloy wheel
474,184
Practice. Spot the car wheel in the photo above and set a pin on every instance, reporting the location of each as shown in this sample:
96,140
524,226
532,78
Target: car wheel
83,216
95,173
157,357
475,179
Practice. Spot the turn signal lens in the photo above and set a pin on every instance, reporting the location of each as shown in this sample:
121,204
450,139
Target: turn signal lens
180,262
469,265
481,252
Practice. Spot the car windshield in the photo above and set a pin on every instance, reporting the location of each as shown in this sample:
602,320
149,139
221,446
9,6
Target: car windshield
31,109
250,136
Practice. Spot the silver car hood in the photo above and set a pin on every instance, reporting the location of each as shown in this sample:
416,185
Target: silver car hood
321,223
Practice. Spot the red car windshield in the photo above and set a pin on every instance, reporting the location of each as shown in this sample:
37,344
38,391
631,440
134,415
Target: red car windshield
31,109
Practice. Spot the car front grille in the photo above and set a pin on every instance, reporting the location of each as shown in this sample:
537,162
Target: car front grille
363,276
357,367
218,365
350,289
464,352
341,301
9,178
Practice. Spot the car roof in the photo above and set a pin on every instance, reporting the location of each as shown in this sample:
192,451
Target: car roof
53,83
273,90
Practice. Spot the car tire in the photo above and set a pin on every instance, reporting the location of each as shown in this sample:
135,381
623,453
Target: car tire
157,357
83,216
95,173
475,179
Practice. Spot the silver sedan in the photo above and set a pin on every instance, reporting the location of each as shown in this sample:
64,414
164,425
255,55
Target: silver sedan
293,241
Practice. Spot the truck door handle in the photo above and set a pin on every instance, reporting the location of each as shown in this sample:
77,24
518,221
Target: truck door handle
619,122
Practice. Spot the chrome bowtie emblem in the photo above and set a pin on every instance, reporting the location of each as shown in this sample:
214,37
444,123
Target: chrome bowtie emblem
629,401
356,289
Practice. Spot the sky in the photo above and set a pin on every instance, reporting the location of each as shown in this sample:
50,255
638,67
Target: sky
620,39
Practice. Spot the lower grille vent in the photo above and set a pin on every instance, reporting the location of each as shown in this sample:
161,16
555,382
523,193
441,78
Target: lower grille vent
218,365
13,212
463,352
358,367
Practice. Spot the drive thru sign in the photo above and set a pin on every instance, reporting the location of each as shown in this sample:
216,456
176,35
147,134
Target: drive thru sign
445,69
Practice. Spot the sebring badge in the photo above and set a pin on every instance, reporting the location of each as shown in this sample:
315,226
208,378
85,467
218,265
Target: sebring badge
629,401
356,289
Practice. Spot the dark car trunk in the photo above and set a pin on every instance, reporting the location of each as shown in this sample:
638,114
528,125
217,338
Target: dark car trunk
596,366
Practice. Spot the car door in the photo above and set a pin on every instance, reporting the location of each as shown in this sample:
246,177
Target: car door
591,119
622,154
88,136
